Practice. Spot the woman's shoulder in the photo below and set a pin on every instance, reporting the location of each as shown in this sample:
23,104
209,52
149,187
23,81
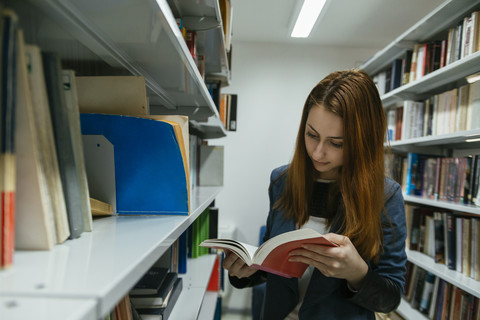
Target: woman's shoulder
278,172
391,188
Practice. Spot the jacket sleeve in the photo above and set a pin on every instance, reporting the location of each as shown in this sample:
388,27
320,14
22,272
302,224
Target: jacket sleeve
382,287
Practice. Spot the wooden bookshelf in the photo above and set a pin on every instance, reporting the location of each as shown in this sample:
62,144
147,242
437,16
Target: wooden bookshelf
102,265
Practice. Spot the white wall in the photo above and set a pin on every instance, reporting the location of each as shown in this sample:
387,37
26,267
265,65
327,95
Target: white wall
272,82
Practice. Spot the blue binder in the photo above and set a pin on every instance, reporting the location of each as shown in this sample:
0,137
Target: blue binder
150,177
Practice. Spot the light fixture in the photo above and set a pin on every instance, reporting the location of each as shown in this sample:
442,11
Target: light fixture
473,77
307,17
472,140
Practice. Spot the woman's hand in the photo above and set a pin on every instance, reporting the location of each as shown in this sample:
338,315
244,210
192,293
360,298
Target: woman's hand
236,267
342,262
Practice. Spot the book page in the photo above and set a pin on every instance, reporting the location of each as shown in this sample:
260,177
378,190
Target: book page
294,237
243,250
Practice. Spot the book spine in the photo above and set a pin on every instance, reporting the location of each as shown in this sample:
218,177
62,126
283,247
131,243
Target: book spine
7,137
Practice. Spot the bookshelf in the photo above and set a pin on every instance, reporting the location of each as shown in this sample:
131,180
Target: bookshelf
105,264
140,37
85,278
435,24
194,292
20,307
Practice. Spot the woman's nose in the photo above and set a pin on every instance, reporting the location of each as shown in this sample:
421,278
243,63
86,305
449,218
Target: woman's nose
319,151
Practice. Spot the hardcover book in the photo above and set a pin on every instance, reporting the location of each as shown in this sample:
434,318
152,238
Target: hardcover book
34,219
151,282
63,133
157,294
8,107
46,140
163,312
272,255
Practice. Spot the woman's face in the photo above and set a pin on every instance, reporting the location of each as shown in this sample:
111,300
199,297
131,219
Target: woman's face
324,141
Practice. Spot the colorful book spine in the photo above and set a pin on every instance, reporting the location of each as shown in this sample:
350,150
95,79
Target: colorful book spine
7,140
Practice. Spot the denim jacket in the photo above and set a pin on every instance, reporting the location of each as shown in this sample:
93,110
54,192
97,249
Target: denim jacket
329,298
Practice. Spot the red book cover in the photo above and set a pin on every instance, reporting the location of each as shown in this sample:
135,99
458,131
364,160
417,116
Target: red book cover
277,260
272,256
214,282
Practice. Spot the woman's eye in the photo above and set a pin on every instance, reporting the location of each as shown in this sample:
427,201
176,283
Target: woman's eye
336,145
311,135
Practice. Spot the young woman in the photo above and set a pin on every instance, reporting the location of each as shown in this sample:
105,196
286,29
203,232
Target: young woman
336,184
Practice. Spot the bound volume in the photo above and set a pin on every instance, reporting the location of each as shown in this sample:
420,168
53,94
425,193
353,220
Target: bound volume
272,255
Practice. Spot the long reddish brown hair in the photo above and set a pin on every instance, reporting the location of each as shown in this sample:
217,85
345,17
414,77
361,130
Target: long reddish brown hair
353,96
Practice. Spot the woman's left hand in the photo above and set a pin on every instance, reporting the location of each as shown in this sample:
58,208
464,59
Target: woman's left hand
342,262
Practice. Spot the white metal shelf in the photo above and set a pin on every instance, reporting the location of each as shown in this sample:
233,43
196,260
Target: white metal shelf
195,283
209,305
103,264
454,277
406,311
434,24
464,208
43,308
453,73
437,21
454,139
205,18
139,37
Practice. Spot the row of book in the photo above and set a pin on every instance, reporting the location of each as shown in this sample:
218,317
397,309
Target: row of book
64,122
228,111
43,172
157,291
452,239
459,42
437,298
153,297
226,104
204,227
447,112
454,179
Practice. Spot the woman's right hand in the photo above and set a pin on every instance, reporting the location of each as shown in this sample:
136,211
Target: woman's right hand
236,267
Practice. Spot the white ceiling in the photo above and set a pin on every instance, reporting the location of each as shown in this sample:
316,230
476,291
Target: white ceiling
346,23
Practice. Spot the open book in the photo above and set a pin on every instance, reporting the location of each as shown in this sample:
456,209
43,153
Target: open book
272,256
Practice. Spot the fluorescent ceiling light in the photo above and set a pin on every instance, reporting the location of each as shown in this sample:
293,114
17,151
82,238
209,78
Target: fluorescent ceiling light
472,140
307,17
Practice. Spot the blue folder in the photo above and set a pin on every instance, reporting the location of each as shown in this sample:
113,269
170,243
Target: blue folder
150,177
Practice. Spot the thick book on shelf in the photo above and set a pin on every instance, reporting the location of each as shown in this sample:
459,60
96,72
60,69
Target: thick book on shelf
34,219
151,282
8,42
64,131
71,98
45,135
163,312
150,172
157,299
272,255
